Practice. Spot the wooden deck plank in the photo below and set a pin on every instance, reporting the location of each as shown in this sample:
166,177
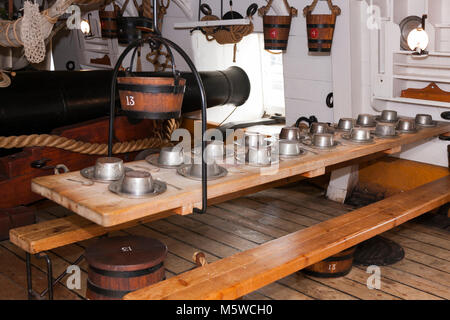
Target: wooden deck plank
250,270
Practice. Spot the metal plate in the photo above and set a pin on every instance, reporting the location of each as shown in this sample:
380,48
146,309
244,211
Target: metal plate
408,131
285,156
153,160
88,173
185,169
159,187
349,139
238,157
434,124
397,135
309,144
406,26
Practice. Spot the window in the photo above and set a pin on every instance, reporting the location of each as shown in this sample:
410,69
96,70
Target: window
265,71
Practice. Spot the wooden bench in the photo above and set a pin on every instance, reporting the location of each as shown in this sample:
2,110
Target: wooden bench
244,272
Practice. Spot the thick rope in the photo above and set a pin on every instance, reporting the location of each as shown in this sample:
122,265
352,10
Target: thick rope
162,133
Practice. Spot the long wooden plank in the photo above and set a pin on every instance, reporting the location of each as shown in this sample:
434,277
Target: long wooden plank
99,205
247,271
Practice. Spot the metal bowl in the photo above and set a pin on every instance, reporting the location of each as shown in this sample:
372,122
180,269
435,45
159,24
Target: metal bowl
323,140
137,184
360,135
407,126
290,133
346,124
365,120
319,127
425,120
388,116
385,129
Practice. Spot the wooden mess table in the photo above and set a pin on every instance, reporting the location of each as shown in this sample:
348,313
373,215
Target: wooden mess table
100,211
98,204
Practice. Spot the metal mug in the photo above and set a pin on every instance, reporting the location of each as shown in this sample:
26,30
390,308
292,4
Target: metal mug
388,115
319,127
261,155
289,148
290,133
171,156
360,134
137,183
385,129
365,120
254,139
323,140
109,168
346,124
406,125
424,119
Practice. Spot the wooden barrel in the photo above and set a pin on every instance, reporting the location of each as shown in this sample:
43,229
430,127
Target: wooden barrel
120,265
333,267
276,32
320,28
128,31
151,97
108,23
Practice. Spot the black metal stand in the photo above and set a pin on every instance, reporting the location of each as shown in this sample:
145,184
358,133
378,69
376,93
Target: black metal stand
50,282
154,39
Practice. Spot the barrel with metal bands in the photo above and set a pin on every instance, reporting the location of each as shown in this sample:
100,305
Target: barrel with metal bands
320,28
276,32
108,23
335,266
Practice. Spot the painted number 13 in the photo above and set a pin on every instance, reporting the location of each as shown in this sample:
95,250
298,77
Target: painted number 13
130,100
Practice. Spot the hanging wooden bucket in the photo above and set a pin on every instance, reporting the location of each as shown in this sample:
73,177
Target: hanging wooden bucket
320,27
151,97
276,28
108,22
120,265
333,267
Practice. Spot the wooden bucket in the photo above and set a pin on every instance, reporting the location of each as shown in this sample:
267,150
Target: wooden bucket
320,27
120,265
335,266
108,22
276,28
129,31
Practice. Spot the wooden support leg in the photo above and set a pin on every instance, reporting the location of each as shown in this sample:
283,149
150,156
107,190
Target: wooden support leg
342,182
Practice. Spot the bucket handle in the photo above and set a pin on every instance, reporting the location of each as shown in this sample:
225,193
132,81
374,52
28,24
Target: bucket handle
309,9
176,73
265,9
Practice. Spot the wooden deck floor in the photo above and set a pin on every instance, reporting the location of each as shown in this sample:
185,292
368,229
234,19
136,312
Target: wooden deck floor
244,223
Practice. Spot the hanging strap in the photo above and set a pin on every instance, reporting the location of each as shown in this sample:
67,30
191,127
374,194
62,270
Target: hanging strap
124,7
265,9
309,9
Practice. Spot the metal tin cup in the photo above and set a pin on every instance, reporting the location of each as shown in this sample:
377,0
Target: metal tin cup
424,120
290,133
385,129
323,140
289,148
254,139
319,127
137,183
360,134
108,168
345,124
406,125
171,156
260,156
388,116
365,120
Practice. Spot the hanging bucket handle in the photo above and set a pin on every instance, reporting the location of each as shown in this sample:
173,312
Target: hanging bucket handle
265,9
176,73
309,9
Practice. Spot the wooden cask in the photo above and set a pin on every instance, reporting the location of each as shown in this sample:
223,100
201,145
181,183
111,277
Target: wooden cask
276,32
120,265
335,266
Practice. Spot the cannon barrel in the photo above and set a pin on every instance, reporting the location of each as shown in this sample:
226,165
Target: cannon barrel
40,101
